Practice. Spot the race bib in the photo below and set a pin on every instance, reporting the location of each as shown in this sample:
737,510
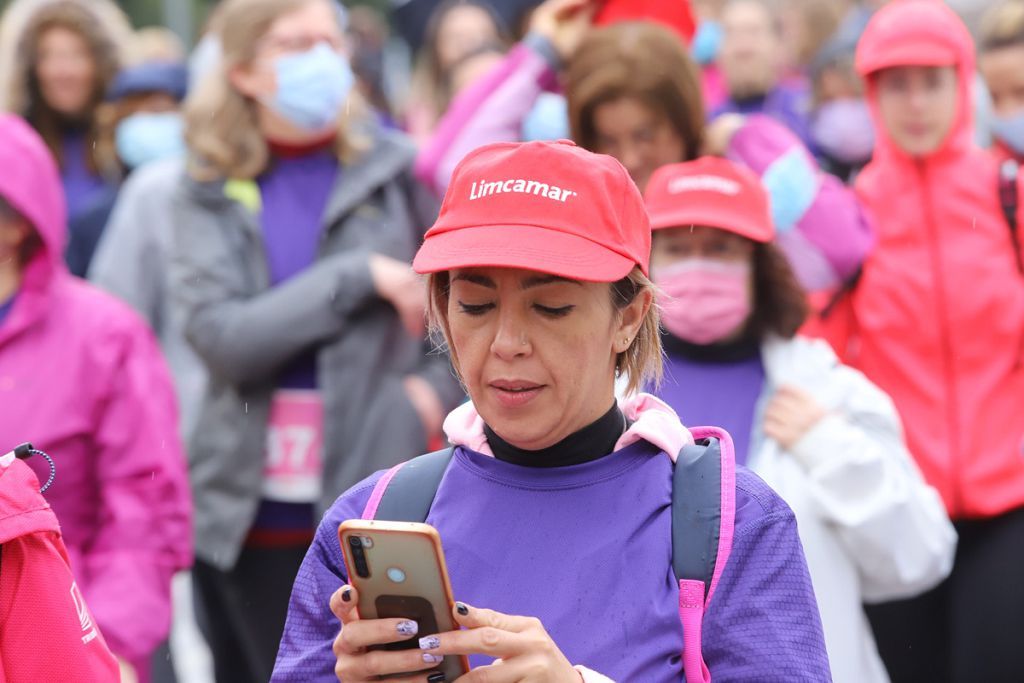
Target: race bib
293,469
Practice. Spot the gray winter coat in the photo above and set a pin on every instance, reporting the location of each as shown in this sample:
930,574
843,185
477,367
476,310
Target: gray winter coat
245,331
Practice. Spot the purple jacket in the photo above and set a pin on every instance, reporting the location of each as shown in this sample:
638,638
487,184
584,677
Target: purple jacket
82,378
831,234
587,550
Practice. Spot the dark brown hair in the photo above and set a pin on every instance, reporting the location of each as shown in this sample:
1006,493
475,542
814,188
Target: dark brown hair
780,303
106,52
32,242
640,60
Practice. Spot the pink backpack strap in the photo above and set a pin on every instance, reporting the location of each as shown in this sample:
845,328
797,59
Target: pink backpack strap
406,491
370,511
695,589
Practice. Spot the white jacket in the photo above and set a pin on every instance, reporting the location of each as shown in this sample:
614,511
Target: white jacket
872,529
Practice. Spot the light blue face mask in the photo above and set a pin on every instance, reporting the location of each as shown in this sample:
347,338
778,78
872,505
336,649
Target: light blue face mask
1010,131
706,42
312,86
145,137
548,119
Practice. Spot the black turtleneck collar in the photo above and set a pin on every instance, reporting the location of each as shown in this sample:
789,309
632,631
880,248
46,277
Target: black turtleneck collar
593,442
747,346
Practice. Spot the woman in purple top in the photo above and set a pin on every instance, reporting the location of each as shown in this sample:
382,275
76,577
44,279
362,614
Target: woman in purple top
555,511
68,53
823,436
293,227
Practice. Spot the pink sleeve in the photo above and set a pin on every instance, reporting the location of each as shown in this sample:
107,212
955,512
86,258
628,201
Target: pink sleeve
144,532
834,234
490,110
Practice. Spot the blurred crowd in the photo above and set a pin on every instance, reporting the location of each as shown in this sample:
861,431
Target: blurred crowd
209,319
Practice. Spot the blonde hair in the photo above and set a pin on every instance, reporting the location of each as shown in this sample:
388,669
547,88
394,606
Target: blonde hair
1002,25
222,133
641,363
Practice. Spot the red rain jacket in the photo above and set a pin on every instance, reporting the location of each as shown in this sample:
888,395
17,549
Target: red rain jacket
46,631
938,315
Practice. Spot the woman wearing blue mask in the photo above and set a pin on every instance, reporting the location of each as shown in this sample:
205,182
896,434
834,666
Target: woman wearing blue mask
146,101
294,227
1000,58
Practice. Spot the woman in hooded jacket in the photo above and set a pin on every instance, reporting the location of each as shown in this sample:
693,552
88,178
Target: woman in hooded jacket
68,53
818,432
937,321
294,226
82,378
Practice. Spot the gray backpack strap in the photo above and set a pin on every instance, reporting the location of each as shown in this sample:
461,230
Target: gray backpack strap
697,511
411,491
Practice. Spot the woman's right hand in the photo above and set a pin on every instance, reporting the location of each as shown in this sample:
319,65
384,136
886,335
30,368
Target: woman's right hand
355,663
564,23
398,284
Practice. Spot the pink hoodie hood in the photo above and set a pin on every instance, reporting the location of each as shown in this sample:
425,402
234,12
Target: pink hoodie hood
650,420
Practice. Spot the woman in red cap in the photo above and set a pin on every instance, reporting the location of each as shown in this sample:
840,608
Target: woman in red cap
938,323
557,502
824,437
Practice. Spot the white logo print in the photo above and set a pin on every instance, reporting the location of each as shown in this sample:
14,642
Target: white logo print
713,183
484,188
84,618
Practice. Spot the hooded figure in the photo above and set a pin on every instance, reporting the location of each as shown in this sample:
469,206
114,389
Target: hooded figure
938,323
82,378
39,595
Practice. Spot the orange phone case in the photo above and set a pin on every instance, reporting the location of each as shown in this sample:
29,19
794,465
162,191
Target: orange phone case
407,579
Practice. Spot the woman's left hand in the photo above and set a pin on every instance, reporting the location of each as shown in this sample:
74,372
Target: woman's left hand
523,649
790,414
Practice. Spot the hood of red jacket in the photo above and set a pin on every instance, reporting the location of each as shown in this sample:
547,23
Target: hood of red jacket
919,33
23,510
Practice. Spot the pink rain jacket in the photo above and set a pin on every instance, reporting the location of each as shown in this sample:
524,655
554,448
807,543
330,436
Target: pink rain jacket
939,311
47,632
81,377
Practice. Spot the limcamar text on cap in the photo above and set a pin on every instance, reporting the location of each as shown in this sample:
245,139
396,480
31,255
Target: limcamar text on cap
484,188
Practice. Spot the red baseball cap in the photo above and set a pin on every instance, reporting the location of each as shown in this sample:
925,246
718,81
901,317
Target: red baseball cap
675,14
552,207
710,191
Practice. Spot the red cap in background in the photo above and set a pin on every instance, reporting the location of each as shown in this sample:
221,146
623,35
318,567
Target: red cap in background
675,14
710,191
552,207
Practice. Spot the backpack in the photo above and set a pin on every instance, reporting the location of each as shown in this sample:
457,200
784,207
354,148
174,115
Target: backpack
703,515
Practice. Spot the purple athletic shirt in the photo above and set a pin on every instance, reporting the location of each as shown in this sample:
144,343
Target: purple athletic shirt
587,550
723,394
82,187
293,194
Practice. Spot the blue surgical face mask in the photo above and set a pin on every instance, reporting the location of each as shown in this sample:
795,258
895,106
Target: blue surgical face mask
312,86
548,119
145,136
706,42
842,129
1010,131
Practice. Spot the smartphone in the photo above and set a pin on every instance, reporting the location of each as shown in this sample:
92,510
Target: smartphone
399,570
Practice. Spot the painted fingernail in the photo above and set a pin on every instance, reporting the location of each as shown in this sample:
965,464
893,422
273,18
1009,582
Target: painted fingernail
432,659
461,608
346,595
430,643
408,628
436,677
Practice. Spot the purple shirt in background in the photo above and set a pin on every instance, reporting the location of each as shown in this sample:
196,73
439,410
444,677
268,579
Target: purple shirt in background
82,187
723,394
294,193
587,549
788,103
6,307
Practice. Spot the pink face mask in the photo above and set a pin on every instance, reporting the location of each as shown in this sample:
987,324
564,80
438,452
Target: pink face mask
704,300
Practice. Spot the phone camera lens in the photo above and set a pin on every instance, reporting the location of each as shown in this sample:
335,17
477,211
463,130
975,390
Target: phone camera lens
355,541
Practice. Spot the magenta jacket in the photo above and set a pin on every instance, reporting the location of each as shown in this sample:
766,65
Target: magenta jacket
82,378
829,235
